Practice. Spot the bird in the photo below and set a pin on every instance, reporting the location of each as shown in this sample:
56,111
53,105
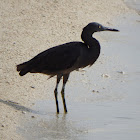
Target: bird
61,60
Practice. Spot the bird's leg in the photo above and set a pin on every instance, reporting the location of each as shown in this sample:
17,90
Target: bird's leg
56,93
65,79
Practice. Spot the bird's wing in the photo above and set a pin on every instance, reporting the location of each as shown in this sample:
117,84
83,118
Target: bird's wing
58,58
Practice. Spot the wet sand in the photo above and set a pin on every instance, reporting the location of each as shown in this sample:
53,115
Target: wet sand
27,104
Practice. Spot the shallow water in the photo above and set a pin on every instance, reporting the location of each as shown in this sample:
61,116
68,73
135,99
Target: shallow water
84,121
111,113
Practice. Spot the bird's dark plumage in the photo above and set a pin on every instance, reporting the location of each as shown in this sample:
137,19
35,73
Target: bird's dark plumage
63,59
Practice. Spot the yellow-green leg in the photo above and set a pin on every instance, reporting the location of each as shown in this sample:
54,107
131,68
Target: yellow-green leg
56,93
65,79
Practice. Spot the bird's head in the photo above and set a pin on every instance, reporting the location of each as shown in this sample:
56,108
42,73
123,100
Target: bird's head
96,27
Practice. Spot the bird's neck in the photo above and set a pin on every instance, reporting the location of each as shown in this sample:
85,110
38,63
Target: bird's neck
91,42
93,46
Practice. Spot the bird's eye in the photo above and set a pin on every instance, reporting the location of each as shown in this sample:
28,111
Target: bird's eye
99,26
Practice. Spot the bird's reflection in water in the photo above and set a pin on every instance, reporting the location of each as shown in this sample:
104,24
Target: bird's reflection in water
50,127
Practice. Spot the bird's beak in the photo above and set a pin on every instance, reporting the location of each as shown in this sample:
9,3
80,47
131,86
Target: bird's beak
110,29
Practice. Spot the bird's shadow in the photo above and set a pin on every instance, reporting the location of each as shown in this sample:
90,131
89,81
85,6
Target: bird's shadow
17,106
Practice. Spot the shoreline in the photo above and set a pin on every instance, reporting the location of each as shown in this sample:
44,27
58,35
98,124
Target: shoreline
20,28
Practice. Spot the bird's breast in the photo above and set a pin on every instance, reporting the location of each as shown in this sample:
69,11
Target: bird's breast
88,56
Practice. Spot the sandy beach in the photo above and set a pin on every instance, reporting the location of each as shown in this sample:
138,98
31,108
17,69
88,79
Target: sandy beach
27,107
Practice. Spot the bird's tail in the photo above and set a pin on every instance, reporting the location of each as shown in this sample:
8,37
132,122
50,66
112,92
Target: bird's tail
23,68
